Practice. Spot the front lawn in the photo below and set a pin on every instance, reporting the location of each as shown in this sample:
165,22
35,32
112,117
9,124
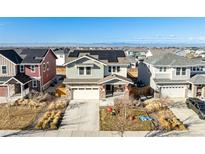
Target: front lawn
110,122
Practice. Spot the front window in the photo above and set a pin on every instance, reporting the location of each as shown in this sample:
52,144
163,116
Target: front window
32,67
165,69
109,69
114,69
34,83
4,69
160,69
183,71
118,68
81,70
88,70
44,67
22,68
178,71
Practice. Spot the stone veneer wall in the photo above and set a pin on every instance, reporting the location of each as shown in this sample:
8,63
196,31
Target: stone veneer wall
102,92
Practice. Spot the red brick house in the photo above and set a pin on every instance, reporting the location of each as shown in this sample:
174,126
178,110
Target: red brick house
26,69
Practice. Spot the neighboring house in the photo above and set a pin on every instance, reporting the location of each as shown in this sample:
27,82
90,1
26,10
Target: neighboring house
96,74
61,54
26,69
170,75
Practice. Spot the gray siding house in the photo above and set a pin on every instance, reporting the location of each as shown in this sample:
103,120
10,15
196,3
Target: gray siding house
173,76
96,74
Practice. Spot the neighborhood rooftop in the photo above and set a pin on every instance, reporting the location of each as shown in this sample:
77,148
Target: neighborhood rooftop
30,55
11,55
170,59
106,56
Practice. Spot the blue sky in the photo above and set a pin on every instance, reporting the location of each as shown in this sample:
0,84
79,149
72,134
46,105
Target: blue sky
102,30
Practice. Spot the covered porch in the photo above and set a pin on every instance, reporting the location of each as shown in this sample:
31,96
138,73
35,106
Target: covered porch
18,86
196,87
114,85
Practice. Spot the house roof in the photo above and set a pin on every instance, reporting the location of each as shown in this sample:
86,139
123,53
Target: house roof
105,56
11,55
33,55
61,51
168,81
170,59
197,79
113,77
21,78
4,79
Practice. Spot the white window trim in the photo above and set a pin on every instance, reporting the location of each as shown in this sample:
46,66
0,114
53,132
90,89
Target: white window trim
111,71
44,67
84,71
34,68
33,83
2,70
20,69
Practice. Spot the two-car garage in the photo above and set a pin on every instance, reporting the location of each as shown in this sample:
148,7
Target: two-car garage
85,92
173,91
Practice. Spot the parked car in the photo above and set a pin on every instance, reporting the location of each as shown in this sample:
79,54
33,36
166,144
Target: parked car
197,106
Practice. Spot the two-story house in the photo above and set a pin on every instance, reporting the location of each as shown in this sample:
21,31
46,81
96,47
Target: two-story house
95,74
25,69
170,75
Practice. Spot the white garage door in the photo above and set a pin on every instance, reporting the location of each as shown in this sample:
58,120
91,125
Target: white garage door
173,91
85,93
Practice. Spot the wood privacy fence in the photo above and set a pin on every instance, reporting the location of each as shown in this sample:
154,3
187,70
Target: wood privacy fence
137,91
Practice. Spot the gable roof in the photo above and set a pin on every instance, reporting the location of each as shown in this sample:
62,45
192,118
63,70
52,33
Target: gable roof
170,59
105,56
113,77
33,55
11,55
86,56
21,78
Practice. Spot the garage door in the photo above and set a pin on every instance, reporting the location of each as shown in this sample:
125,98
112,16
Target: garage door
173,91
85,93
3,91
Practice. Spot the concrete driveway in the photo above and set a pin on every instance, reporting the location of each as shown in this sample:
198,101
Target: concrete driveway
81,115
188,117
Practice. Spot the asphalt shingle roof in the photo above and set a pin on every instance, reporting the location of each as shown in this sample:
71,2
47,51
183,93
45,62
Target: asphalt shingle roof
33,55
11,55
170,59
198,79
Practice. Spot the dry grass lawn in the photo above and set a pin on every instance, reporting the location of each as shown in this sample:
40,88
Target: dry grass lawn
17,117
109,122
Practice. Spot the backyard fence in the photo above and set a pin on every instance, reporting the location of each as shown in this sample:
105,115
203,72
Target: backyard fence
137,91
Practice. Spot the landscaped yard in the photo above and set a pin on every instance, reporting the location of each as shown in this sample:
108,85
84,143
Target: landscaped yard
110,122
152,115
26,114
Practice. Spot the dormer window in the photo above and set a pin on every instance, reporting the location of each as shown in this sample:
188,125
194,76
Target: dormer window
32,67
21,67
84,70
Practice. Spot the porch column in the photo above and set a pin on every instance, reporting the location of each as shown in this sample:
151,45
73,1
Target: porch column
194,90
102,92
22,91
203,92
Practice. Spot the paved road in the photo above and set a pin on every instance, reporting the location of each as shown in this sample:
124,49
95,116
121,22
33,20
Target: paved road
81,115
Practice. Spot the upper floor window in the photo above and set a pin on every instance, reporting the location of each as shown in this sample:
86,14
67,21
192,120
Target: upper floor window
194,68
21,67
32,67
201,68
184,71
118,68
109,69
88,70
162,69
47,66
61,56
34,83
44,67
4,69
114,69
84,70
178,71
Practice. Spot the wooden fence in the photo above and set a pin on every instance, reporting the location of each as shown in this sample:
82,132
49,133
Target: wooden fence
137,91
